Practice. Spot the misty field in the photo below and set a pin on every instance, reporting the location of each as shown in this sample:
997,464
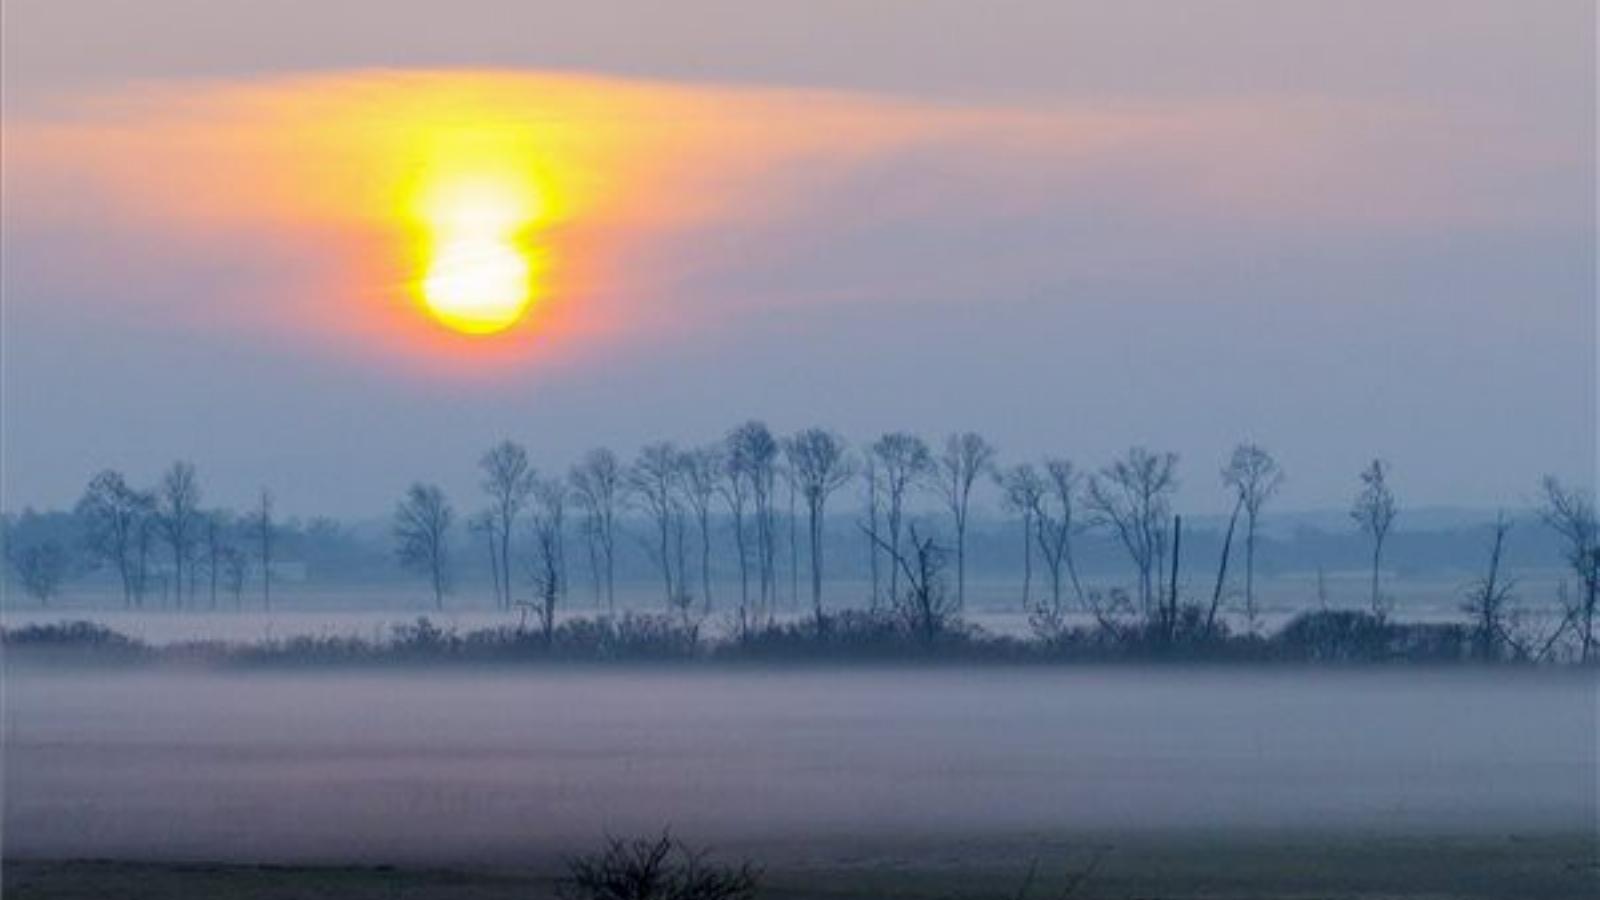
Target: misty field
861,776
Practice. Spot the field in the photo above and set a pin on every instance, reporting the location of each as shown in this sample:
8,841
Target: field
854,782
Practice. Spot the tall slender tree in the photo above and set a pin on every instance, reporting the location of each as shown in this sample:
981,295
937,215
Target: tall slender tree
653,483
821,465
1023,490
1374,511
114,514
1571,513
966,458
178,517
508,480
904,460
597,489
1254,476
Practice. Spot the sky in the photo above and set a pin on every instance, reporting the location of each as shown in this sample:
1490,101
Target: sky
1339,229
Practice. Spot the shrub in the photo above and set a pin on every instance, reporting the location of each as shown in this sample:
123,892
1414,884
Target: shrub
656,869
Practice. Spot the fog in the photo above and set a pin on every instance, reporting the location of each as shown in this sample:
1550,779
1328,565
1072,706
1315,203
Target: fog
504,767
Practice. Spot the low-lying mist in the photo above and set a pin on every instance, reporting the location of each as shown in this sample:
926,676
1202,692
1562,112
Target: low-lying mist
500,766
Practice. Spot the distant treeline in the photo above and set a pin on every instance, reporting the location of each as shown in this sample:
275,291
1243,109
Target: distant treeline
768,508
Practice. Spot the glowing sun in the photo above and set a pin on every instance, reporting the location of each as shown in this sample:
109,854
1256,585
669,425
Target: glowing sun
480,275
478,285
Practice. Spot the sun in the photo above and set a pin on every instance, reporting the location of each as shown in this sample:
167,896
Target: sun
478,285
479,272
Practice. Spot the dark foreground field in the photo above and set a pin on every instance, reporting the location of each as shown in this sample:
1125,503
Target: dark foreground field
1210,866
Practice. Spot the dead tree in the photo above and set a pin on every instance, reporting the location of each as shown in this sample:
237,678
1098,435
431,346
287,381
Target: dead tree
1254,476
178,518
1374,511
1222,575
1023,491
903,460
597,489
733,486
821,465
1571,513
966,458
508,480
1489,599
1131,497
422,534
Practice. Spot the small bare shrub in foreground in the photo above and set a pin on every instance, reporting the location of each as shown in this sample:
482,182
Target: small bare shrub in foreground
656,869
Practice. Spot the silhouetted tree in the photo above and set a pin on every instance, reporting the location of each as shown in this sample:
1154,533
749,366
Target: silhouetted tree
700,474
547,565
753,452
266,540
1254,476
114,515
235,570
597,489
216,525
178,517
1053,518
1132,496
508,480
1571,513
872,486
41,567
903,459
821,465
1374,510
966,457
925,607
652,482
1023,491
422,536
1489,599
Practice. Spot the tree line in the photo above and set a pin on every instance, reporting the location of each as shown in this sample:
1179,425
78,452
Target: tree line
773,493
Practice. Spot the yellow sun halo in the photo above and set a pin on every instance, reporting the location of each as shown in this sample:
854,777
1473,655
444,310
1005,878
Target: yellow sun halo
478,284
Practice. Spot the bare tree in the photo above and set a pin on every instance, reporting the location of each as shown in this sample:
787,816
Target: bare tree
41,567
235,570
903,460
700,475
548,564
508,480
966,457
1254,476
178,517
422,535
114,515
1023,491
1374,510
925,607
652,481
266,538
872,485
597,489
734,487
821,465
217,524
1489,598
1053,519
753,452
1571,513
1132,497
